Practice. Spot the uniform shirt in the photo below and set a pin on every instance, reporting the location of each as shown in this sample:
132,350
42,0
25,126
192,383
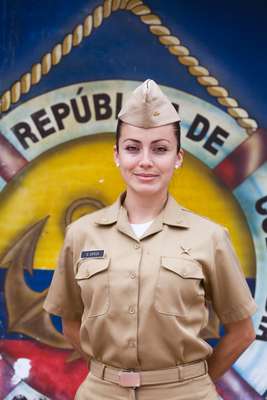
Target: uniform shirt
143,302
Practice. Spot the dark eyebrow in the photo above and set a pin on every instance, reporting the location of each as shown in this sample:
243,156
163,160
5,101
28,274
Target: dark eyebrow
138,141
133,140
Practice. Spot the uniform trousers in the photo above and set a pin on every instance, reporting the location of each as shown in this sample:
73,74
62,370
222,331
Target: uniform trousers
200,388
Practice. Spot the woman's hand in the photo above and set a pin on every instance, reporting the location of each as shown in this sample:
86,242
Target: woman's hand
238,336
71,331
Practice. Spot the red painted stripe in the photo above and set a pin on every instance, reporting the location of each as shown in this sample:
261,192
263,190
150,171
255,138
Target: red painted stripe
232,386
6,375
244,160
11,161
50,370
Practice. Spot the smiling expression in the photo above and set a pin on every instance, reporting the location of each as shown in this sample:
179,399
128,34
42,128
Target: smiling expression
147,157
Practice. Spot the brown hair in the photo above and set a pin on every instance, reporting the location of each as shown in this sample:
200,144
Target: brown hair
176,128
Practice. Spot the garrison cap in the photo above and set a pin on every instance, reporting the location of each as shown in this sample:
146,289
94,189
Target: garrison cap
148,107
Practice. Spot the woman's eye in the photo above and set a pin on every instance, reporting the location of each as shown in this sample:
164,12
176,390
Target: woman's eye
132,149
160,149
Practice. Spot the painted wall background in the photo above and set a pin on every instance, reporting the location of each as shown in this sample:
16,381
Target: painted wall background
66,68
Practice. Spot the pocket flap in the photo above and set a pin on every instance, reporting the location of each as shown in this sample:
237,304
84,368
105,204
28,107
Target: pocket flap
91,267
185,267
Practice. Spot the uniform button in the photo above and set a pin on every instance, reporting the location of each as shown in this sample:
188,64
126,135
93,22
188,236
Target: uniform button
132,343
131,310
133,275
137,246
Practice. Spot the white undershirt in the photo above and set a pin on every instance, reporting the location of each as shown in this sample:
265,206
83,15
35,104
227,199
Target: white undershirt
139,229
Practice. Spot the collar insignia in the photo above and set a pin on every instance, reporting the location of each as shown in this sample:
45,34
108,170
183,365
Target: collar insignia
185,250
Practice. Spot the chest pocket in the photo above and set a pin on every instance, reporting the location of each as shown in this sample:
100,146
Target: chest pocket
179,286
93,279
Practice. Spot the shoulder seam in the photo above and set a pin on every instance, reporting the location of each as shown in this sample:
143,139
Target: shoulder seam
204,217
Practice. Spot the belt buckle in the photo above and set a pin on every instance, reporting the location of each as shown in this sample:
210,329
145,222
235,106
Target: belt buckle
129,379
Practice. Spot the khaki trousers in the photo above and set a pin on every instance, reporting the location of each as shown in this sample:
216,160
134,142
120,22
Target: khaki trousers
200,388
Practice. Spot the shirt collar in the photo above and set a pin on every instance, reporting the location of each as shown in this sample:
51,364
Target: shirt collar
109,215
172,214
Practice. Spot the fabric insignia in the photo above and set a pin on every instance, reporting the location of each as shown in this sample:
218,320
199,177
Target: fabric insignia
92,254
185,250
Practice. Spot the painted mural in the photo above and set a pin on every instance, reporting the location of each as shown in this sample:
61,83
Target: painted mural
66,70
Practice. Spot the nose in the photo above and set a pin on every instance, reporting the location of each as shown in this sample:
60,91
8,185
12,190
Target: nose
146,159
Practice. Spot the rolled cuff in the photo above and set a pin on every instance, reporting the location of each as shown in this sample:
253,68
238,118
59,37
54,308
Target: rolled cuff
238,313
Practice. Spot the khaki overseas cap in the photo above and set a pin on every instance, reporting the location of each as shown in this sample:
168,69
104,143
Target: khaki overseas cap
148,107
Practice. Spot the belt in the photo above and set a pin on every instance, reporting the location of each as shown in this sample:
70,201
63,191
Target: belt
130,378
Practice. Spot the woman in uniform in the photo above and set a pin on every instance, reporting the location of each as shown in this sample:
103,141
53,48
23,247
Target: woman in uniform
135,279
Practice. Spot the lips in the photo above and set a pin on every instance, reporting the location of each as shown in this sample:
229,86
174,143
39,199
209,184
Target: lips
146,175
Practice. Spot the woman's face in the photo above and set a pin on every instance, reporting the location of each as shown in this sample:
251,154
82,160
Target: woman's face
147,157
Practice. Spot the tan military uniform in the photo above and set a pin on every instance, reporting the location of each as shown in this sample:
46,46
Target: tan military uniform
142,302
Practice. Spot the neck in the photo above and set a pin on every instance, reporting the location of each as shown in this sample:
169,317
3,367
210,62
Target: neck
142,208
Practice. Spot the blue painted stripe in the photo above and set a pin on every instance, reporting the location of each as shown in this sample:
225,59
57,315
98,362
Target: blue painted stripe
2,184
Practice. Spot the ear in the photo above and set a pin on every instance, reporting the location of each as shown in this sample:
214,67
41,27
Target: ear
116,155
179,159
